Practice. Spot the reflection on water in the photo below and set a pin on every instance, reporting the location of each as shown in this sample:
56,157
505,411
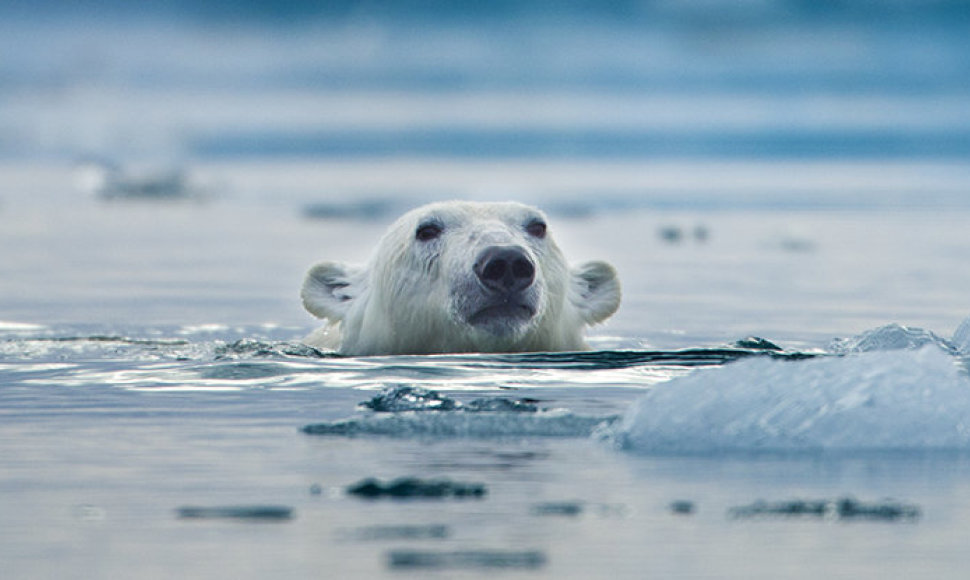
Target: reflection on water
184,364
157,447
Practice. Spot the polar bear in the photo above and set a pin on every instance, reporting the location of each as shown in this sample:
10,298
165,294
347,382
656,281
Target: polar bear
457,276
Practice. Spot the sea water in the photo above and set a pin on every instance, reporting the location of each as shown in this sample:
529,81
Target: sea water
752,169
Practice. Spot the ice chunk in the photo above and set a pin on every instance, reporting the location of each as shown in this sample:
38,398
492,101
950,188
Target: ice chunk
900,400
961,338
416,424
890,337
407,398
402,398
406,411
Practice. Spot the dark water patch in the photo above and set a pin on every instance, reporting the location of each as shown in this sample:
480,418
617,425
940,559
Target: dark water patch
396,533
846,508
473,425
268,513
470,559
414,488
566,508
682,507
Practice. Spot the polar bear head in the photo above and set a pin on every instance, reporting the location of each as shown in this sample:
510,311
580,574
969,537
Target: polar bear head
461,277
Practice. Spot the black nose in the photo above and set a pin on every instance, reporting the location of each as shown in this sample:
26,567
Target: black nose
505,269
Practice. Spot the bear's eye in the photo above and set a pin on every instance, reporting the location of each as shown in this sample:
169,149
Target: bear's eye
429,231
536,228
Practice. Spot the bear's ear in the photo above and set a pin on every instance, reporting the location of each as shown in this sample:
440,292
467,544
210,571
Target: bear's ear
330,289
595,291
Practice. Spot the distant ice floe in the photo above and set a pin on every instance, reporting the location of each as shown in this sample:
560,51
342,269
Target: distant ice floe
109,181
890,389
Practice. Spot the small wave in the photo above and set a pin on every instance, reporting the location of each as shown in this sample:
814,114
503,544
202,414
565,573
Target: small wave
617,359
961,338
155,359
248,348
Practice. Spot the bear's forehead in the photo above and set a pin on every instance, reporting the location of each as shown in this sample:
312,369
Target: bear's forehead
470,213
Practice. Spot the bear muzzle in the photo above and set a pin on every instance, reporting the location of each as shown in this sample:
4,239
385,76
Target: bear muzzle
505,299
505,269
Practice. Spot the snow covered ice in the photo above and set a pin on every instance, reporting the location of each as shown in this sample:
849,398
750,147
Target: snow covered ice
883,400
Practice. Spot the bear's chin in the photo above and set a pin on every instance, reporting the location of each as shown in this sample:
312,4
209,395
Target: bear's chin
503,319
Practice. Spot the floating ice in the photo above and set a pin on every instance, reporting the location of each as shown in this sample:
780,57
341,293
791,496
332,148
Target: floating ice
406,411
409,398
899,400
413,424
891,337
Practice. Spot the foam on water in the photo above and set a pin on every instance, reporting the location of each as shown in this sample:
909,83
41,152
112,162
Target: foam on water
887,400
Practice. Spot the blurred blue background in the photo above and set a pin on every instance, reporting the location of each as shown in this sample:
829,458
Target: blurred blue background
812,154
197,81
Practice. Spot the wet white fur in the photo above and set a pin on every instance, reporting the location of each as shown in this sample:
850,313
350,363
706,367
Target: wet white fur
409,297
